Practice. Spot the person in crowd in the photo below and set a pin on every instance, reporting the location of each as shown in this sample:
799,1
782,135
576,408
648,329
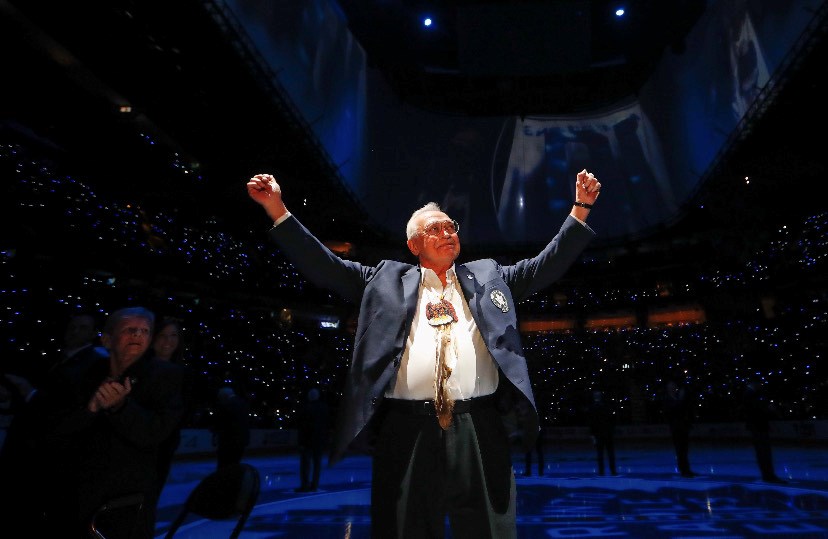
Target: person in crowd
678,411
538,450
105,430
23,466
231,427
166,346
602,429
436,346
757,411
313,438
520,424
80,340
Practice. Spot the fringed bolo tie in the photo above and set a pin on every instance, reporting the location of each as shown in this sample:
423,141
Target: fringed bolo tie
442,316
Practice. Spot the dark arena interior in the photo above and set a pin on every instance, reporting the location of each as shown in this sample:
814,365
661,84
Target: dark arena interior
128,131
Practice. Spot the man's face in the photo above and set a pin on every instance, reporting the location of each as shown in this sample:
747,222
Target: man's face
79,331
436,244
129,340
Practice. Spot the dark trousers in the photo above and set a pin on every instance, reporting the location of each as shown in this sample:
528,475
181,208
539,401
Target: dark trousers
423,474
681,444
605,444
764,457
310,463
229,453
527,470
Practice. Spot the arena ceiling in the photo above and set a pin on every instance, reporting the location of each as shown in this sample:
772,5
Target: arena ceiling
69,65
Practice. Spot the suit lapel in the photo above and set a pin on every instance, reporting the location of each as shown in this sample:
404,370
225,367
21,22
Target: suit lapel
411,287
469,285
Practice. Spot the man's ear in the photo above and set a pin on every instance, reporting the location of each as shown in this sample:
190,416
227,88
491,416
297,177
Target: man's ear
106,340
413,246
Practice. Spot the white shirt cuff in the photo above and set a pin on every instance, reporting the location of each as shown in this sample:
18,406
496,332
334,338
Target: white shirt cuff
281,219
582,222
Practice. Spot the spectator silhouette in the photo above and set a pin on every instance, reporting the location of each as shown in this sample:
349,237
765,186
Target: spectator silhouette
758,411
231,429
24,467
602,428
521,413
80,340
678,412
166,346
539,443
313,437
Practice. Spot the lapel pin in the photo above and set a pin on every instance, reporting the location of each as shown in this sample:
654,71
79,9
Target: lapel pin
499,299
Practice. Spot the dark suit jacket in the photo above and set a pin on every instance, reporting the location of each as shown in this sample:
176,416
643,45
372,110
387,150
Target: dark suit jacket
387,295
109,454
26,457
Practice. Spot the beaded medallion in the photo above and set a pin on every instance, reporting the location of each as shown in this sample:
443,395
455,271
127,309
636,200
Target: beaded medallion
441,313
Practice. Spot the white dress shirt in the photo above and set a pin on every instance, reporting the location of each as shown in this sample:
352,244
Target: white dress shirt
474,373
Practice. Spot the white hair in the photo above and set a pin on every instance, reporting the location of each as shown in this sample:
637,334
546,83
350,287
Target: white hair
411,226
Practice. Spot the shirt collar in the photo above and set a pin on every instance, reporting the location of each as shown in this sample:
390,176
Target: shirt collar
429,278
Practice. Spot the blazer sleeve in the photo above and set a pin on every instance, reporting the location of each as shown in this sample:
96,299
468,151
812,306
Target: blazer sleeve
532,275
317,263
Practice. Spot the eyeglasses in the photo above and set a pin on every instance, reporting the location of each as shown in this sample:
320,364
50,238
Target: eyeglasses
439,228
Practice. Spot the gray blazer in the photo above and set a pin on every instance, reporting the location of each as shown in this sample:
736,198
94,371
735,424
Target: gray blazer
387,296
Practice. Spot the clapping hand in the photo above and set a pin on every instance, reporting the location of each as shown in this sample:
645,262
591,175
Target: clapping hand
110,395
